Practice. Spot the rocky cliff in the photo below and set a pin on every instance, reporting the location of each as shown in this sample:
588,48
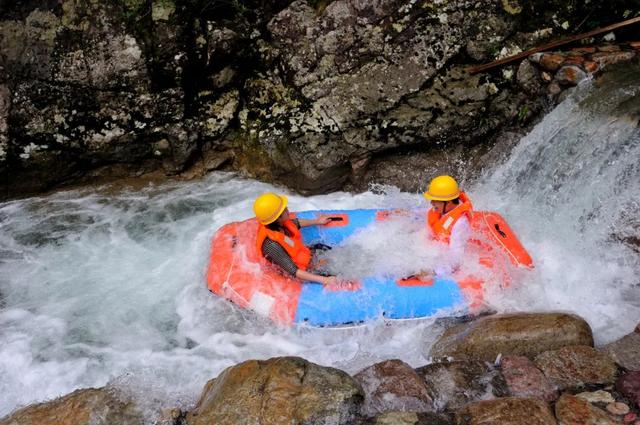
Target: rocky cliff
318,95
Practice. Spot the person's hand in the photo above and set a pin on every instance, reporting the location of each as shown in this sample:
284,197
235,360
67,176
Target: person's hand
321,221
330,281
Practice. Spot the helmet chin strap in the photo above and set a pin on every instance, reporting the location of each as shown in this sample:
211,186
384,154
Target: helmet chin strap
444,208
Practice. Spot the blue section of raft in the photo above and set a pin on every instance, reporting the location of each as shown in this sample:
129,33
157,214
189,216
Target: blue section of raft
377,296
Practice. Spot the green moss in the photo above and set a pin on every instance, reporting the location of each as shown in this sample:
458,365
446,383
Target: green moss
161,10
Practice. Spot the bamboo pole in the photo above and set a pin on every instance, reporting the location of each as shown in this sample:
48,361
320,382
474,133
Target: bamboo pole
553,45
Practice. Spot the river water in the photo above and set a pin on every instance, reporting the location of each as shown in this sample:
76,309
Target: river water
99,288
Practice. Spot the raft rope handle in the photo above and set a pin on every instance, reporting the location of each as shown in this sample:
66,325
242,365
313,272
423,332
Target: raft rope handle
225,284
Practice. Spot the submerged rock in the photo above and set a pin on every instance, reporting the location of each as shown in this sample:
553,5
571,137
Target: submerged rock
82,407
525,334
454,384
279,390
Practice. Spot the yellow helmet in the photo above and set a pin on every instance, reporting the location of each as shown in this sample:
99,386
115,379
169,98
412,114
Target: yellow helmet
442,188
269,206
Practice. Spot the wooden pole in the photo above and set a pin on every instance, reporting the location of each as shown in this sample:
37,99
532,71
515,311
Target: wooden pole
553,45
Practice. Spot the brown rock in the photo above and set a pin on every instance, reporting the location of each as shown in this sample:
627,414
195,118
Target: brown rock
279,390
82,407
584,49
524,379
576,366
609,48
599,396
573,60
618,408
526,334
571,410
635,45
547,61
625,351
629,385
454,384
409,418
393,385
506,411
570,75
591,66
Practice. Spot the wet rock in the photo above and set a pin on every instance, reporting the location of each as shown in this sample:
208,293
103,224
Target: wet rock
591,67
570,75
506,411
5,102
524,334
454,384
524,379
599,396
393,385
548,61
604,58
278,390
571,410
625,351
618,408
409,418
576,366
81,407
528,77
629,385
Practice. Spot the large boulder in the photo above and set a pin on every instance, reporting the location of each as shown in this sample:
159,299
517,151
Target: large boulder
82,407
393,385
576,366
280,390
524,334
506,411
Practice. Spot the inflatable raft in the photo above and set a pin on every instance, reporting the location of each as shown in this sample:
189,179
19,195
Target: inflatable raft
238,273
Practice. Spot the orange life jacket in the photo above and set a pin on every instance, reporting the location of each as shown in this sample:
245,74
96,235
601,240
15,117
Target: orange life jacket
292,243
441,225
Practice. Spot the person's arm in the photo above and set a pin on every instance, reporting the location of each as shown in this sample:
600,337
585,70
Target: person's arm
312,277
320,221
278,256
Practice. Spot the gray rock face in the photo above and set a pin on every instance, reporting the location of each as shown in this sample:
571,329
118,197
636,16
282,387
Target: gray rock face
313,97
279,390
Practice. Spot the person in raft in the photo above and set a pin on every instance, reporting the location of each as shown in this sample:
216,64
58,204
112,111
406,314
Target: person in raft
450,212
279,239
449,220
